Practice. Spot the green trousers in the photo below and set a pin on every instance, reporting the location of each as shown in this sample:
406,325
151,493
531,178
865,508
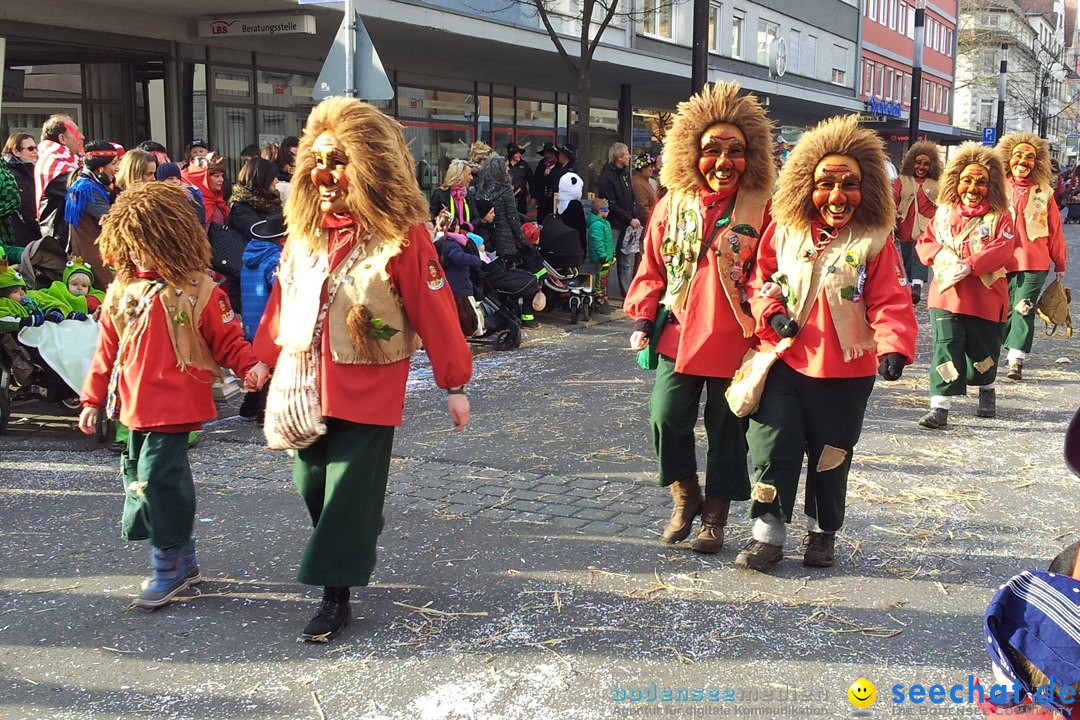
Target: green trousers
342,479
673,411
159,493
1024,290
816,419
965,352
122,434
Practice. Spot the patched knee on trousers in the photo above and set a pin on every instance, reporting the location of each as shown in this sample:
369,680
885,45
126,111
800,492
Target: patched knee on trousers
763,493
137,488
1025,306
983,365
947,371
831,458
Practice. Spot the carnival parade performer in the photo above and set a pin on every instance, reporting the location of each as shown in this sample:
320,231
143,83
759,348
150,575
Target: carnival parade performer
915,192
968,244
688,296
359,285
1039,238
827,287
166,332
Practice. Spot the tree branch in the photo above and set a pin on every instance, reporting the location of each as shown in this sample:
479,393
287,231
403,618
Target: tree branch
603,26
539,4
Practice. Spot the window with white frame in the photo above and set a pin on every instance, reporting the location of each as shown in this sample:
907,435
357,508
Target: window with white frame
880,91
810,57
892,14
925,100
793,49
766,33
906,96
945,100
873,9
868,77
714,28
911,22
839,65
658,20
986,112
737,23
929,39
901,19
890,79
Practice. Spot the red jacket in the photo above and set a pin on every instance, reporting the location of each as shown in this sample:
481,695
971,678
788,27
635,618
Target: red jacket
704,339
154,393
970,296
816,351
375,394
922,205
1036,253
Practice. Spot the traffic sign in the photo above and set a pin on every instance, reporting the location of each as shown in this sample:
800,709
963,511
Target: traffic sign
989,135
369,77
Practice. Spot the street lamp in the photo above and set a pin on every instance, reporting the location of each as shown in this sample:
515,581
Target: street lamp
1001,90
916,73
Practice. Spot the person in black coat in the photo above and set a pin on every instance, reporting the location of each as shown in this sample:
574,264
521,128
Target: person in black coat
520,177
493,185
613,185
543,191
20,154
254,199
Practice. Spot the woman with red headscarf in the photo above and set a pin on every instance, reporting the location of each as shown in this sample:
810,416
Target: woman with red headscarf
208,176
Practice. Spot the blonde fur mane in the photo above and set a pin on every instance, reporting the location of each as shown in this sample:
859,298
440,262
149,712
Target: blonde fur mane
1042,173
972,153
383,194
923,147
720,102
841,135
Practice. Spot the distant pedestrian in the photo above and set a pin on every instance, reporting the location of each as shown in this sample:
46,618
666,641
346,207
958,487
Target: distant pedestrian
88,200
520,177
59,155
20,153
915,192
613,185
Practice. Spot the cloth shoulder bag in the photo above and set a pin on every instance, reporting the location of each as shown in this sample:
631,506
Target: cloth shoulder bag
1053,308
294,418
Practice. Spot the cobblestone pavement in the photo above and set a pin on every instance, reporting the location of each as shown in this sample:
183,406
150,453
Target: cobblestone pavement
520,576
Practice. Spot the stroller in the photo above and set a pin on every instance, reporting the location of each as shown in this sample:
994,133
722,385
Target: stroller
562,251
47,362
500,323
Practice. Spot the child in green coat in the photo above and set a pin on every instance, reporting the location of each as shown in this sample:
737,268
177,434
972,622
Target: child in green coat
75,291
601,249
18,309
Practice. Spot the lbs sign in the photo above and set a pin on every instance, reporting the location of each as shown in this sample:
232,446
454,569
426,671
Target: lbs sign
258,25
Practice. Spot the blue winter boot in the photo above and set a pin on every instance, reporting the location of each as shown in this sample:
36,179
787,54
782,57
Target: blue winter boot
191,564
169,578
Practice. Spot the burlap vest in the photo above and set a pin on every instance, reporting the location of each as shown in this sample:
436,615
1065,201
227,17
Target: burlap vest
908,191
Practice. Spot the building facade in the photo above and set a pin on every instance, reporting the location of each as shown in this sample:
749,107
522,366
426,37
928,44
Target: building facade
888,37
1041,80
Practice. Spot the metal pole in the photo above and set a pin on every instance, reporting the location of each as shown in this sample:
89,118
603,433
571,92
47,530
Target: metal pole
350,49
699,70
916,73
1001,90
1044,108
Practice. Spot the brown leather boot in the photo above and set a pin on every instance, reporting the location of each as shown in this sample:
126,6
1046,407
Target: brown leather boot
713,519
687,496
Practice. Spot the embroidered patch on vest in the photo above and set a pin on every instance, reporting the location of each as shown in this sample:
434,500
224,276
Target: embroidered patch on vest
227,314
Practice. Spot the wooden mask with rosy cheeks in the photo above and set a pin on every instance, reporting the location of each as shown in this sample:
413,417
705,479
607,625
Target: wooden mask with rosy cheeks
328,175
723,156
1022,161
837,189
973,185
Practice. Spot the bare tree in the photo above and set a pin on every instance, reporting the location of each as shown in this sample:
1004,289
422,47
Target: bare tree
592,18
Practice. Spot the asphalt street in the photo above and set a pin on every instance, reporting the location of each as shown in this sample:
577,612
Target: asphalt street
520,573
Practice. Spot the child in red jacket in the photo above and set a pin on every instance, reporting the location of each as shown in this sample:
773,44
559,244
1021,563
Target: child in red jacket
166,330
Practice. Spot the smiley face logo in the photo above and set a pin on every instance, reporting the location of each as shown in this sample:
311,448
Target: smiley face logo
862,693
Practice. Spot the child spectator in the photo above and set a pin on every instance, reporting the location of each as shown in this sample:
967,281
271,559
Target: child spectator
166,330
459,256
601,249
17,308
261,258
76,290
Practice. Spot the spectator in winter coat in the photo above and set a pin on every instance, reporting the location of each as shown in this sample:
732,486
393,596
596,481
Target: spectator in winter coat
520,176
261,258
493,185
543,191
614,186
59,153
460,257
170,172
453,194
601,249
19,154
88,200
254,199
207,175
10,199
641,181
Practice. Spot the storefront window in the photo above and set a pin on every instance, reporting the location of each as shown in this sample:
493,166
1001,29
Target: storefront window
535,113
433,146
275,125
280,89
436,105
234,129
232,85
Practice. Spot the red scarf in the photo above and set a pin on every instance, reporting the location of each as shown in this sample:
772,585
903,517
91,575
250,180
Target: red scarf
200,178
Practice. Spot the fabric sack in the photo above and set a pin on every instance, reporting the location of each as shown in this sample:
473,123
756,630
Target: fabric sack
226,249
1053,308
744,392
294,418
647,357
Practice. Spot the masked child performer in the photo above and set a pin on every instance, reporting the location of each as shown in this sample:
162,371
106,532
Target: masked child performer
698,251
166,331
828,276
915,192
359,285
1039,238
968,244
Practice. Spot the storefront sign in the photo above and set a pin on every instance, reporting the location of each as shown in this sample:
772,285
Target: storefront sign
258,25
883,107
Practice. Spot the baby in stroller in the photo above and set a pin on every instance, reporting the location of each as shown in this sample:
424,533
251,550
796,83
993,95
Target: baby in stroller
563,248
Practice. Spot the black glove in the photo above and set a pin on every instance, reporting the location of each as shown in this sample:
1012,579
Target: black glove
76,315
784,326
54,315
891,367
34,319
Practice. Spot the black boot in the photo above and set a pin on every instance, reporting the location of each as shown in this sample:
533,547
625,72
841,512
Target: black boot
987,403
334,614
935,419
